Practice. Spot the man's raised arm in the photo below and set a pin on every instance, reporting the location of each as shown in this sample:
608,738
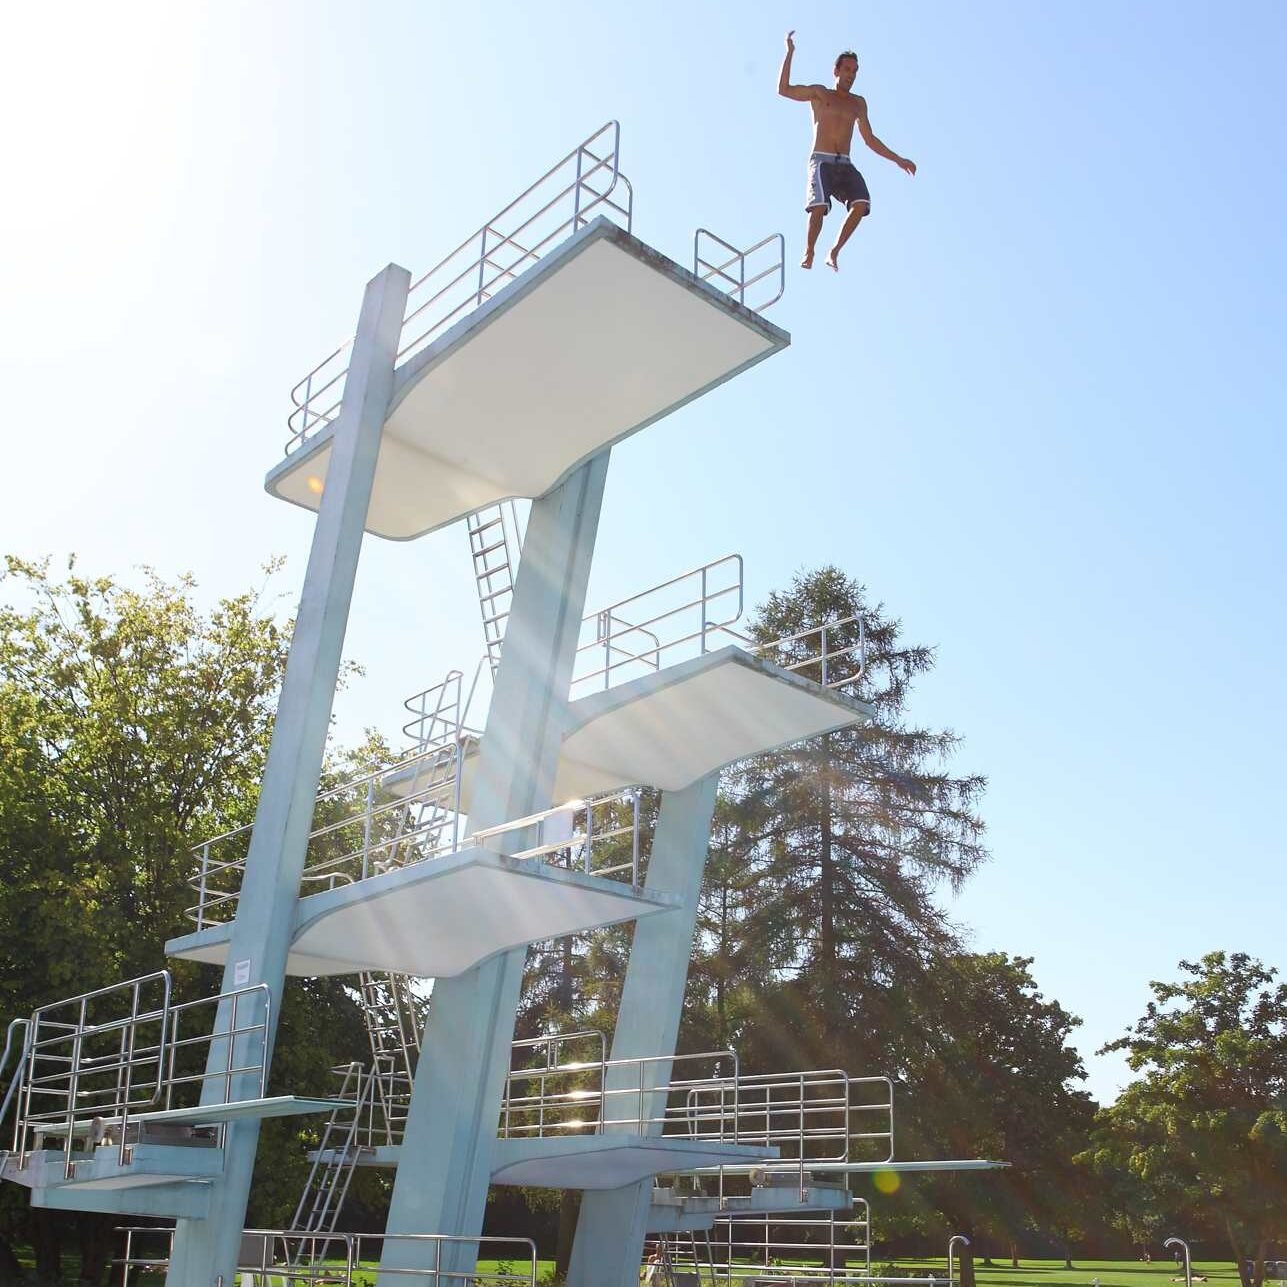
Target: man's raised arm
801,93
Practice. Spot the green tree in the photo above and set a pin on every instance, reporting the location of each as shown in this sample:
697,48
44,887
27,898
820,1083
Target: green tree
132,725
1203,1126
997,1078
821,911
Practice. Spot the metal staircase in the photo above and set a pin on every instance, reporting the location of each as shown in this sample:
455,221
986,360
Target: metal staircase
495,544
328,1182
393,1023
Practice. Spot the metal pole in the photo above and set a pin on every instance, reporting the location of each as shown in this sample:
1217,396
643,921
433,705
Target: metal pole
951,1249
1188,1267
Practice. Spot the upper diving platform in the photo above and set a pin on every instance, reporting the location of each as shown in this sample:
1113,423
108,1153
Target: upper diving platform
542,340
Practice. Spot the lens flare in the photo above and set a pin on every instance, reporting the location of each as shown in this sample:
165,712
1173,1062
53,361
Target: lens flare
314,484
886,1181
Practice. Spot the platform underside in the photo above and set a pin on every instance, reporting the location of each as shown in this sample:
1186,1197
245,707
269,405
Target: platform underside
608,1161
438,918
598,340
670,728
589,1161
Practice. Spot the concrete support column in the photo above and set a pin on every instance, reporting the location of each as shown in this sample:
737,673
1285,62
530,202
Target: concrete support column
205,1251
613,1223
445,1163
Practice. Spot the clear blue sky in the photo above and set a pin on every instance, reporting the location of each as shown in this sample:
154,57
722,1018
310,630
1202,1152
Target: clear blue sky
1039,413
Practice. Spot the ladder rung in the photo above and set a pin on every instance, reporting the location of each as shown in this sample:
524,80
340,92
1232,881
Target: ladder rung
488,549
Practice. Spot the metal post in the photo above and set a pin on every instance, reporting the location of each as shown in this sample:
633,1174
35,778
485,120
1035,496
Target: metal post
1188,1267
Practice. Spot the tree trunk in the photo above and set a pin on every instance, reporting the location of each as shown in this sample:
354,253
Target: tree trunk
1014,1255
10,1269
46,1242
965,1267
96,1232
827,892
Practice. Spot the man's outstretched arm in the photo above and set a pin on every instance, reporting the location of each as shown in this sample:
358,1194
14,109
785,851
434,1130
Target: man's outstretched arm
864,128
801,93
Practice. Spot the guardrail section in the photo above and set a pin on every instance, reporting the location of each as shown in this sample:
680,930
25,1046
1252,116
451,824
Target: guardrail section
755,277
94,1061
581,186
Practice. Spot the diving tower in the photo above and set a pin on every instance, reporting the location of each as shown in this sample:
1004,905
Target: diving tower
506,373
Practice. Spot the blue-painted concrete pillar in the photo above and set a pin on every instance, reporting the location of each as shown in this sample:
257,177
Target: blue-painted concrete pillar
445,1163
205,1251
612,1223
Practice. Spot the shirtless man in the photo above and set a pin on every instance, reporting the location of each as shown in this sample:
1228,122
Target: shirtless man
831,172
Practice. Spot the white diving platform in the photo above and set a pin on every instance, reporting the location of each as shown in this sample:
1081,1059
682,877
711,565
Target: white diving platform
440,917
600,338
591,1161
674,1212
672,727
669,728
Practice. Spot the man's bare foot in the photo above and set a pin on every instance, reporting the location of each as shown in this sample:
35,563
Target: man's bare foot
807,261
831,262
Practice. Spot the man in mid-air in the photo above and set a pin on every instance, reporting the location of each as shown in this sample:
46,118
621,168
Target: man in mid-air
831,173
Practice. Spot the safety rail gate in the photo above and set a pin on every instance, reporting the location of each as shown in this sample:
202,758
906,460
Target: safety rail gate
276,1257
93,1062
581,186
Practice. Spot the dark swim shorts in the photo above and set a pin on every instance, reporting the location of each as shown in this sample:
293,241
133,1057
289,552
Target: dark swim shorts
832,175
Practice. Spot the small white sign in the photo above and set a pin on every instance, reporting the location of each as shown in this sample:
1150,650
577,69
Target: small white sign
241,974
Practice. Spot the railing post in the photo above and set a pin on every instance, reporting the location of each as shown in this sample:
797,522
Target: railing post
576,194
366,828
824,656
201,889
482,262
703,611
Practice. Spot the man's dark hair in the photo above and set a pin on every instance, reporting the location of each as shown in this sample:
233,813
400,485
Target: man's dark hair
840,57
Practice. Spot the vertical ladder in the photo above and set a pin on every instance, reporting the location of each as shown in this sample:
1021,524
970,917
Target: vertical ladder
328,1182
495,544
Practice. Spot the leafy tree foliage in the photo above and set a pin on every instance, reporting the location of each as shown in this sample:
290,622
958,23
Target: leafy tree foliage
997,1078
1203,1127
820,910
132,725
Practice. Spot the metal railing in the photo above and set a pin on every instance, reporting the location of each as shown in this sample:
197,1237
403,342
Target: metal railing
436,712
392,816
95,1060
636,636
585,1097
695,612
598,835
794,1249
809,1117
576,189
736,272
829,654
276,1257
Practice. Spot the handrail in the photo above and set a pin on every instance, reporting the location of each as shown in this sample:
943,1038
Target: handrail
729,274
484,262
697,610
97,1086
576,833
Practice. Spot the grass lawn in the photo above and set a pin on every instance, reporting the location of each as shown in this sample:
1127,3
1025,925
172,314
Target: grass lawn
1051,1273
